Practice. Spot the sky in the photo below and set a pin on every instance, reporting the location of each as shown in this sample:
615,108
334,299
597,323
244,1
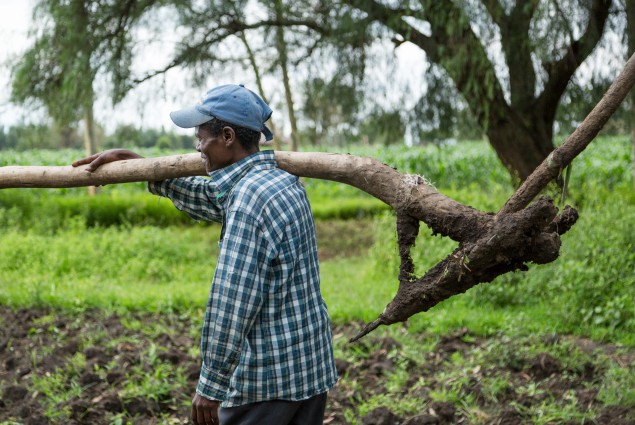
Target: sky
15,17
15,21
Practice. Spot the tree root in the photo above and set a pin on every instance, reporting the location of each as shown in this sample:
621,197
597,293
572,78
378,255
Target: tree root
506,244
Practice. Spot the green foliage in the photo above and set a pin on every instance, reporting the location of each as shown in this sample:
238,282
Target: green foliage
31,138
618,386
131,137
48,212
149,268
36,137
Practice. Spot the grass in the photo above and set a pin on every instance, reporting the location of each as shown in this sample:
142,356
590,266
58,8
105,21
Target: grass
135,268
170,268
114,254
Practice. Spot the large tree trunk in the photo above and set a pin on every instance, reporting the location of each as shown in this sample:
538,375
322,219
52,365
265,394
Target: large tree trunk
489,245
630,29
519,149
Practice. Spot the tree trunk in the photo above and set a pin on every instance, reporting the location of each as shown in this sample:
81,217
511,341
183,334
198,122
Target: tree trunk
630,29
89,140
256,69
633,139
518,148
282,53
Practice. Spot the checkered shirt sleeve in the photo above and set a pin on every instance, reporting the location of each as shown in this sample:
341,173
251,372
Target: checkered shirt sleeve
197,196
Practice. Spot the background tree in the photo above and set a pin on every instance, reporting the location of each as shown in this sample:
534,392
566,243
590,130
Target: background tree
542,43
630,31
75,40
510,63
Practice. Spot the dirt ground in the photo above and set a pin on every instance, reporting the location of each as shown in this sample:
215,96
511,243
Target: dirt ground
95,368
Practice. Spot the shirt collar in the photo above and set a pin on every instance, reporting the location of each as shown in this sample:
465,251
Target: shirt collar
226,178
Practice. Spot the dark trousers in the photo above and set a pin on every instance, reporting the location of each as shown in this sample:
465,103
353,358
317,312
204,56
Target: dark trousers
276,412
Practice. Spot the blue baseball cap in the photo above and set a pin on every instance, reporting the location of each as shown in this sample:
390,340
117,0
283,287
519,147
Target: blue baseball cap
232,103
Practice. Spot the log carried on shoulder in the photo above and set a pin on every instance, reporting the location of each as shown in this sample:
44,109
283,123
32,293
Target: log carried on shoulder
489,244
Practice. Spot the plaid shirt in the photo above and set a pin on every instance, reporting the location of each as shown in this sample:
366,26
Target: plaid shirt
267,332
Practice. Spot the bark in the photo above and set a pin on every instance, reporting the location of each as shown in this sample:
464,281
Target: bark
630,29
489,244
519,147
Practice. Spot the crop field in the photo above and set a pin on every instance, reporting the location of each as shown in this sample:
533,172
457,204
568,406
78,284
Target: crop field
101,302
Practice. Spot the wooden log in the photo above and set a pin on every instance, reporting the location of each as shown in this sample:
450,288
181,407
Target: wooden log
132,170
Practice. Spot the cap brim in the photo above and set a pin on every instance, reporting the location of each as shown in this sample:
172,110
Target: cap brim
268,134
189,117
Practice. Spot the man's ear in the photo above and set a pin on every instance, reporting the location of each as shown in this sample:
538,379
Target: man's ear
229,135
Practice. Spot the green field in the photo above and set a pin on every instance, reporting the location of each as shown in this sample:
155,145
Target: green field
127,252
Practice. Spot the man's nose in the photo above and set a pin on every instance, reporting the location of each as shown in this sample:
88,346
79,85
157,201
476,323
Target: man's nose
198,145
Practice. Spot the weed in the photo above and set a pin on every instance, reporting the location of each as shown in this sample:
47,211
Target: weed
618,386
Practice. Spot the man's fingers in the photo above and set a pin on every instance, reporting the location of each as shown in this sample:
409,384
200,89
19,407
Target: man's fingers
209,416
100,160
194,415
202,415
86,160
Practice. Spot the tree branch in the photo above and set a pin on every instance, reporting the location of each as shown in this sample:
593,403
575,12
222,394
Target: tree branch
454,46
190,52
575,143
496,11
518,47
408,193
560,71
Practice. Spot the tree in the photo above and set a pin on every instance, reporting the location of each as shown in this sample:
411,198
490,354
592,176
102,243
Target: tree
512,93
75,40
454,35
630,31
57,70
541,45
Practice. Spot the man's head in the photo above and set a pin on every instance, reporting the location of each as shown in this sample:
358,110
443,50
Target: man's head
222,144
228,124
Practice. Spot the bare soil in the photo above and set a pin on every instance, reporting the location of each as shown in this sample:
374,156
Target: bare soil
97,368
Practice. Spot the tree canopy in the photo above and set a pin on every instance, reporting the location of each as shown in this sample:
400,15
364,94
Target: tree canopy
497,68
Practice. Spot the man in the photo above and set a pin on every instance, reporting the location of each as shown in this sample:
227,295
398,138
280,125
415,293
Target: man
266,342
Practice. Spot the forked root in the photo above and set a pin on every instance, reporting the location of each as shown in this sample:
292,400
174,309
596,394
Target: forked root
508,243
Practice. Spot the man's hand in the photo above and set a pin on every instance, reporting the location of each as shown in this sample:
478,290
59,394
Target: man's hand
204,411
99,159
